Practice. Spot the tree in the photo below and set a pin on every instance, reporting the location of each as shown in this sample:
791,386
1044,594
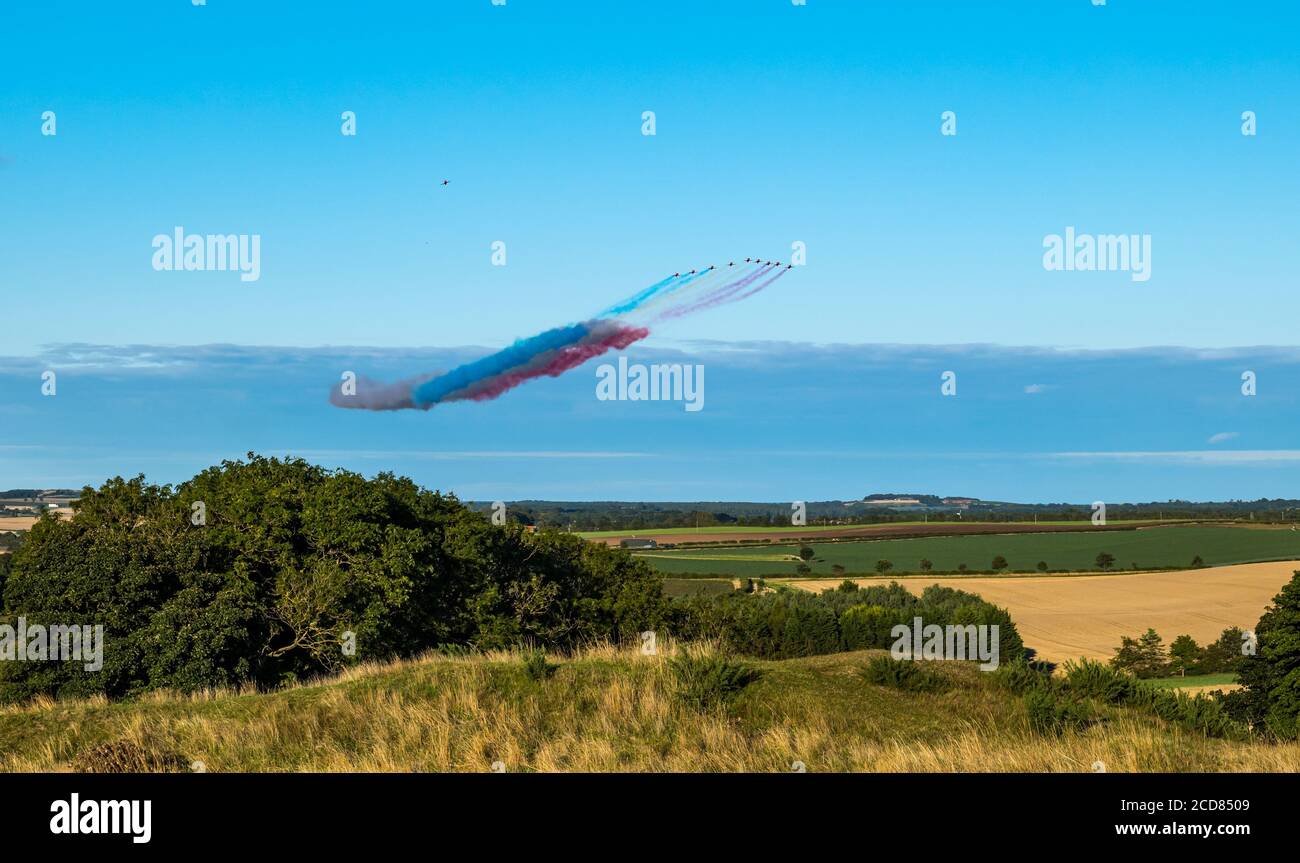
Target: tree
806,552
961,567
289,563
1270,674
883,566
1184,655
837,569
1105,560
999,563
1225,654
1196,561
1042,566
1142,657
926,565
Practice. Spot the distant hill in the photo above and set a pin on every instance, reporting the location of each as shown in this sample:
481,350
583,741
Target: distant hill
926,499
875,508
16,494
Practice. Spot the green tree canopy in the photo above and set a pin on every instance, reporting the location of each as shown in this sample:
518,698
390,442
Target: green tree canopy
260,570
1270,674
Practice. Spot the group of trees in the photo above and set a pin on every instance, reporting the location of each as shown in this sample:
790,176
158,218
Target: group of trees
1104,561
1270,676
10,541
624,515
1146,655
790,623
270,570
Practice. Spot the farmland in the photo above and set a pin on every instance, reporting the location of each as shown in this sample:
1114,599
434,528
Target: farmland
752,534
1068,617
1148,547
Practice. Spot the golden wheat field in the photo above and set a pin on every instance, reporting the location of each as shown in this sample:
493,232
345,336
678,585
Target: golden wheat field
1067,617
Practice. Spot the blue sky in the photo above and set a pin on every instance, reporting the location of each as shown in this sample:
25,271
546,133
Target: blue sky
775,124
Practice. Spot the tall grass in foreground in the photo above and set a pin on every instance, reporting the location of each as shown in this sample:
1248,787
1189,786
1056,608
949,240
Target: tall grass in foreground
606,709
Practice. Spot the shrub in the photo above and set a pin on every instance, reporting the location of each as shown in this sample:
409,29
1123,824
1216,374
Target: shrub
1049,713
535,665
904,674
868,626
810,629
706,681
999,563
1019,676
1088,678
789,623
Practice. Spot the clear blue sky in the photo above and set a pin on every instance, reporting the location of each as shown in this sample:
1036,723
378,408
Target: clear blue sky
776,123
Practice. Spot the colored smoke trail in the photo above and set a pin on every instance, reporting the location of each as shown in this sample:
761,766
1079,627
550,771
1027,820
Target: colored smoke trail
726,293
558,350
638,298
607,336
675,293
547,354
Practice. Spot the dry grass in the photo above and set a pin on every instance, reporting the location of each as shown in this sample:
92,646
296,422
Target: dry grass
1067,617
607,709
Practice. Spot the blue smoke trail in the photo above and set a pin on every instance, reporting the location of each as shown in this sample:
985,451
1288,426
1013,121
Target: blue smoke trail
675,283
522,351
637,299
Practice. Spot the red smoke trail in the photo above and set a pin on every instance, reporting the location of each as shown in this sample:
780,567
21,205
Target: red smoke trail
559,362
719,296
757,288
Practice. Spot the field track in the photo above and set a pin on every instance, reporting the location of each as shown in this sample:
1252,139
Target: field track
1067,617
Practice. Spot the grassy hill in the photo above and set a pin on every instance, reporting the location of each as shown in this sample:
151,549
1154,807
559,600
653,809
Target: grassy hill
604,710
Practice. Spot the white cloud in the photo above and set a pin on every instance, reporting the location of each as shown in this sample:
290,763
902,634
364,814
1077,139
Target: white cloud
1221,437
1035,389
1204,457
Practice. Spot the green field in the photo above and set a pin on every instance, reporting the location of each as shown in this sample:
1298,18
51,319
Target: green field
1148,548
1193,680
